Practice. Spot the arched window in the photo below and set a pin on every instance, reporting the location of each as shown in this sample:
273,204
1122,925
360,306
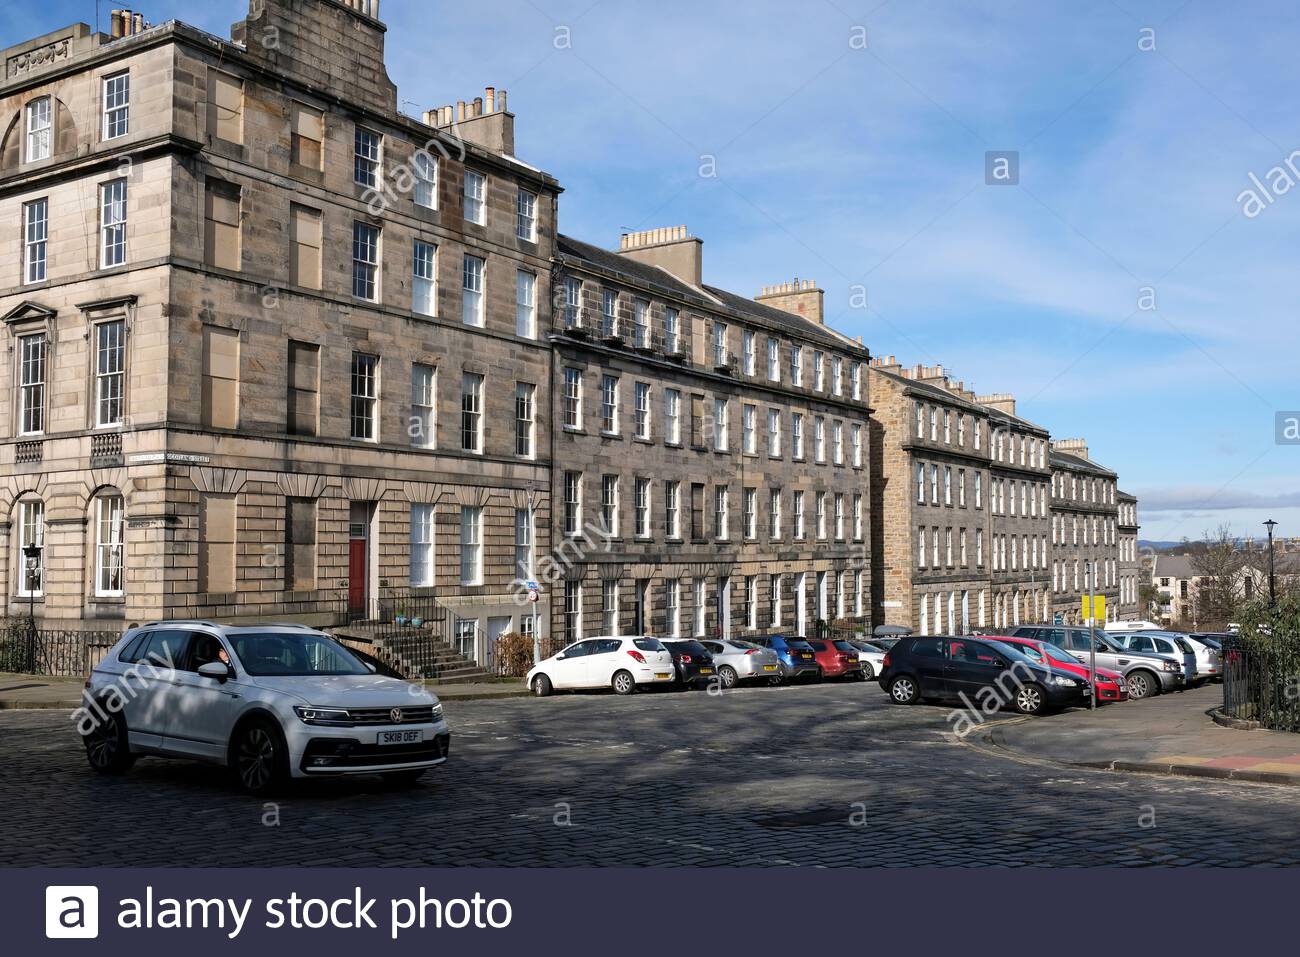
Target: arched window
40,129
31,531
108,518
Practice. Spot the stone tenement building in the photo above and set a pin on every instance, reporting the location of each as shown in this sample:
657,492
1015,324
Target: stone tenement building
1085,529
273,345
1130,573
959,508
710,453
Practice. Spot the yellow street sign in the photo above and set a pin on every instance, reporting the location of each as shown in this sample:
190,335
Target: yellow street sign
1100,609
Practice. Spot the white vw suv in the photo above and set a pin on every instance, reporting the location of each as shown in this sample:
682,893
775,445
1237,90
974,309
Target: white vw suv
271,702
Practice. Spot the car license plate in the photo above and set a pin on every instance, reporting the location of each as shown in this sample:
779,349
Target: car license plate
806,657
663,674
706,671
400,737
769,667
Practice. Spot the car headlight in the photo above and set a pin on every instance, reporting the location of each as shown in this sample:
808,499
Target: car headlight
1062,682
436,714
326,716
1172,666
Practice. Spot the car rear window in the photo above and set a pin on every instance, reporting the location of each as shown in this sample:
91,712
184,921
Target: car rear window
800,645
649,644
844,646
817,645
690,648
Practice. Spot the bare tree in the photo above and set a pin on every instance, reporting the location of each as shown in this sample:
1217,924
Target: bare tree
1218,568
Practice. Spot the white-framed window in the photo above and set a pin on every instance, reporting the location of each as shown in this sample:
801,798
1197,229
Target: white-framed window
774,513
525,418
475,190
748,427
672,330
424,279
819,371
979,490
609,504
524,556
672,416
672,607
472,291
747,350
365,397
796,365
365,262
774,360
796,435
572,502
572,610
609,606
572,398
609,423
641,411
112,223
426,180
856,443
572,303
526,304
920,547
749,512
641,323
837,375
366,157
609,313
751,601
471,413
526,216
701,608
774,433
672,509
721,512
421,564
36,235
32,353
855,380
774,598
920,484
109,546
39,115
471,545
820,506
947,485
110,372
721,425
641,507
857,516
979,547
839,516
117,105
819,438
720,356
920,420
423,427
837,442
797,508
31,531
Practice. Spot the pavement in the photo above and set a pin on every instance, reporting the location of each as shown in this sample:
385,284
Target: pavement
34,692
829,775
1174,734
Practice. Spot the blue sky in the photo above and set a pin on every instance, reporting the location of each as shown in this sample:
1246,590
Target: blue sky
865,167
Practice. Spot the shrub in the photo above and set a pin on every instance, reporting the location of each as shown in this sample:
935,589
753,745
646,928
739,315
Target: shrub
514,655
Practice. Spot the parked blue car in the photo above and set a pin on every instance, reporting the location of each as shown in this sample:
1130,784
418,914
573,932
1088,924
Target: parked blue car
796,656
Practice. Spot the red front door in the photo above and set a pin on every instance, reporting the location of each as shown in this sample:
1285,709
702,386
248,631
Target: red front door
357,576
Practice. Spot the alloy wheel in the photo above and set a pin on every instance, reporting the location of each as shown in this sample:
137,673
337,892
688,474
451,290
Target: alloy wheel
903,690
102,743
1137,686
1029,700
256,758
623,683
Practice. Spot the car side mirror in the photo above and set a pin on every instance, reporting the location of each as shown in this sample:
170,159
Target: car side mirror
217,670
559,657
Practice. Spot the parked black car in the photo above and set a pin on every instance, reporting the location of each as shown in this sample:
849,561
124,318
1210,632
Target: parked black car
977,671
691,661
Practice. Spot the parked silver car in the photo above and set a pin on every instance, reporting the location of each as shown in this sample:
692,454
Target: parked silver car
1205,662
738,661
1147,673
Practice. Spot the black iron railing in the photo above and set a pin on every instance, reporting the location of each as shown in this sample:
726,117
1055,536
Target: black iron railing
52,652
1261,681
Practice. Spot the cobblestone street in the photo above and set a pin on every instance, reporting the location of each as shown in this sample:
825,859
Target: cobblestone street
826,775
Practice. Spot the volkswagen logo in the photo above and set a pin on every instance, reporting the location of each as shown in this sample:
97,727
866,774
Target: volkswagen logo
396,715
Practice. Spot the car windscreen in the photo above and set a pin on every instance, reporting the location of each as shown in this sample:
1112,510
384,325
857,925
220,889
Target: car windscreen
1013,652
1060,654
689,648
649,644
291,655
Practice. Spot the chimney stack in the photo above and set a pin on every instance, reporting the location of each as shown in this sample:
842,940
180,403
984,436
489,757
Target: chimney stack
1077,447
670,248
801,297
1003,402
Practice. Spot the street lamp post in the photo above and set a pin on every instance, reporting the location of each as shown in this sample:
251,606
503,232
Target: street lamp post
32,554
1272,576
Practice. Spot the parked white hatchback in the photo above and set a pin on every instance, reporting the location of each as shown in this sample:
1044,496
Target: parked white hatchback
605,662
271,702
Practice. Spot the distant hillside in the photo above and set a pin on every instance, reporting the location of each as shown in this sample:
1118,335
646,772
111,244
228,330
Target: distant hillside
1159,546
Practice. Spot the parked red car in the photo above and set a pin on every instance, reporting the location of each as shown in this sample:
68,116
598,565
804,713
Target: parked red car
1110,684
837,658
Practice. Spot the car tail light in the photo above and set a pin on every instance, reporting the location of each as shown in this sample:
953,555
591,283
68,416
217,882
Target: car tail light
686,659
637,656
752,651
885,663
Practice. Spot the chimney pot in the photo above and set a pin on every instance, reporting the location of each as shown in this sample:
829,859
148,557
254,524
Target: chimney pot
478,106
490,99
139,23
501,100
460,111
